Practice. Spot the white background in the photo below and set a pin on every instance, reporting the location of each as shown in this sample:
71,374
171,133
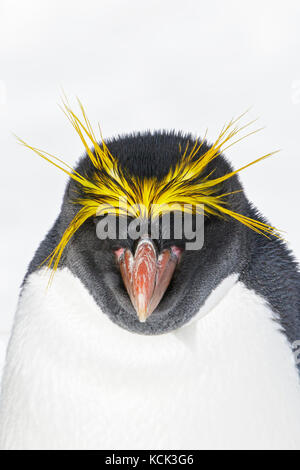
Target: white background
142,65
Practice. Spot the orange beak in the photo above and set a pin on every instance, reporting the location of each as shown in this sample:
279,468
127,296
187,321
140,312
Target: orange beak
146,276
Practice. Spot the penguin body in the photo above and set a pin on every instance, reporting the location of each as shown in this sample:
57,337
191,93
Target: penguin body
211,368
75,380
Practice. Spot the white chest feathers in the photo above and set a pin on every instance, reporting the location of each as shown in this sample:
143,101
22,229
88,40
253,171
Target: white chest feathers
73,379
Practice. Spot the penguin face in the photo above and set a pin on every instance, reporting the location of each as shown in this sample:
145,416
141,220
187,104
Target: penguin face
148,284
152,286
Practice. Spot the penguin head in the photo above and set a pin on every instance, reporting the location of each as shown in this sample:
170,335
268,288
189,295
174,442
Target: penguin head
151,223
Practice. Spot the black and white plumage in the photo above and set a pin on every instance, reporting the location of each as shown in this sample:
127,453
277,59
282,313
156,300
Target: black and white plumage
212,367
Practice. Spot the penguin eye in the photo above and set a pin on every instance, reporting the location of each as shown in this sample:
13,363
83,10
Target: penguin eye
177,251
119,252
